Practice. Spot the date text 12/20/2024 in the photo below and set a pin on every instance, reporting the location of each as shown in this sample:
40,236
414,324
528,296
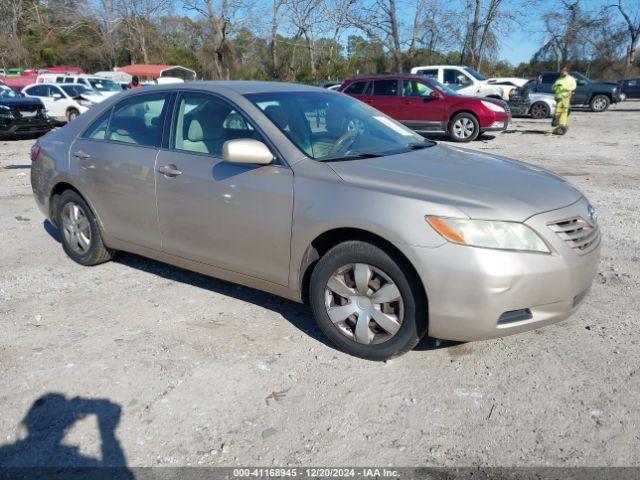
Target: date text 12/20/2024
314,472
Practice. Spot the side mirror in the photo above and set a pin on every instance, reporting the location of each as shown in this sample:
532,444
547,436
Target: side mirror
57,96
581,83
246,150
432,96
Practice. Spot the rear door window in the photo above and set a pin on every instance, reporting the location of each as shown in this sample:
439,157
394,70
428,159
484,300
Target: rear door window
139,120
430,73
99,128
549,77
388,88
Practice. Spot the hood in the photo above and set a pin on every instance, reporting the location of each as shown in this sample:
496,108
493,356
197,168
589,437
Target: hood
481,186
11,102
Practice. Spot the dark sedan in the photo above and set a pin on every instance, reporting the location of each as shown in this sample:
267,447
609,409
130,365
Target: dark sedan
20,116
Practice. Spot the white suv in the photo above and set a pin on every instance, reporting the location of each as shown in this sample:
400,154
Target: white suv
63,102
102,88
463,80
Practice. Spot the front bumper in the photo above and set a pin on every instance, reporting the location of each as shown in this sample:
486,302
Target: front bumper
25,126
470,289
499,123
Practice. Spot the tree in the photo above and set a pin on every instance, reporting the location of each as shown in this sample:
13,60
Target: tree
633,29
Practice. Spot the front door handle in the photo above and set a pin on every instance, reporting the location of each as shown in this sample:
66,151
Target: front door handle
170,170
82,155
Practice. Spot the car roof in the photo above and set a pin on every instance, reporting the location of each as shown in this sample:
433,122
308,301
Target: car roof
387,76
439,66
241,87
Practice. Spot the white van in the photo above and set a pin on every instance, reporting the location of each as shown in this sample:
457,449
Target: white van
464,80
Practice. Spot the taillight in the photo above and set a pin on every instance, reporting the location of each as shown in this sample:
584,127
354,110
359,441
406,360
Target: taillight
35,152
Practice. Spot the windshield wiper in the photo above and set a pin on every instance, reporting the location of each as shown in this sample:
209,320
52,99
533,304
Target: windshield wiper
420,145
353,156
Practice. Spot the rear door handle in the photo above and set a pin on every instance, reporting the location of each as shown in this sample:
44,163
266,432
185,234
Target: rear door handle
170,170
82,155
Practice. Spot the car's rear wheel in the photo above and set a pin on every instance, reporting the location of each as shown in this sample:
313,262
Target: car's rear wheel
599,103
464,127
72,114
364,302
81,237
539,110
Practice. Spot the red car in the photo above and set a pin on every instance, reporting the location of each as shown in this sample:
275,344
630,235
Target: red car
428,106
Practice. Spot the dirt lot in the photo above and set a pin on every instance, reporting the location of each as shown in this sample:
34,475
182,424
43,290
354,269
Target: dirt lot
208,373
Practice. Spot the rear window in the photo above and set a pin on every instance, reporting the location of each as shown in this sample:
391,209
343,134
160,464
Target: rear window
430,73
385,87
549,77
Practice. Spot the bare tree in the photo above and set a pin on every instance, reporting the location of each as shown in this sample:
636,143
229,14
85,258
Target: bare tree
379,22
138,16
633,28
275,25
567,29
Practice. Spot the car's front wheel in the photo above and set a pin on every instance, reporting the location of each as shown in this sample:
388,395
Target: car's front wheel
599,103
81,238
72,114
464,127
366,303
539,110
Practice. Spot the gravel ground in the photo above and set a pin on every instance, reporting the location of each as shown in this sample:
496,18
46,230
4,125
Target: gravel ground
174,368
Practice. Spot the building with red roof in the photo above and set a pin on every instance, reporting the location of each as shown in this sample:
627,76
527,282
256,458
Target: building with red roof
151,72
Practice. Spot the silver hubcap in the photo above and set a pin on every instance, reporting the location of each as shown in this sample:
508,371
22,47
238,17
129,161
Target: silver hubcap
364,303
463,128
599,103
538,111
76,228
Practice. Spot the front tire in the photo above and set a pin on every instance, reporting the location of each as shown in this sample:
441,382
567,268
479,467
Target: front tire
599,103
72,114
540,110
365,303
80,232
463,128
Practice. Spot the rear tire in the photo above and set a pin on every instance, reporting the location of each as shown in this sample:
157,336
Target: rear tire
539,110
599,103
406,306
80,232
464,127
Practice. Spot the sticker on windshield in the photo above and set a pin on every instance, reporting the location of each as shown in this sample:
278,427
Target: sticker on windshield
394,126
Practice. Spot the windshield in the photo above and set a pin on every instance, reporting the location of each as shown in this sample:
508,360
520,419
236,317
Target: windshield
475,74
6,92
331,126
75,90
104,85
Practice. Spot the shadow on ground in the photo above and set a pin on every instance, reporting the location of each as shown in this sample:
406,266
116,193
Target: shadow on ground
42,453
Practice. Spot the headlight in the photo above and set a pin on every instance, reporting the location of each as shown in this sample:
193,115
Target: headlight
5,111
85,103
489,234
492,106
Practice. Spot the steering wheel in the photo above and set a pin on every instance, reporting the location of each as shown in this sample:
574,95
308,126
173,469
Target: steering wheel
344,142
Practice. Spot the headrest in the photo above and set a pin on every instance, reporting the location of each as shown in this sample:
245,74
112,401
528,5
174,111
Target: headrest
195,133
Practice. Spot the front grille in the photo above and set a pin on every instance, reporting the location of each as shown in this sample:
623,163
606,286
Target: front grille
28,111
577,233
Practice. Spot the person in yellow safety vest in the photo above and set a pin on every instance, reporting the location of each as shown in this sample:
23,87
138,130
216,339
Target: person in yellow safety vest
563,87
